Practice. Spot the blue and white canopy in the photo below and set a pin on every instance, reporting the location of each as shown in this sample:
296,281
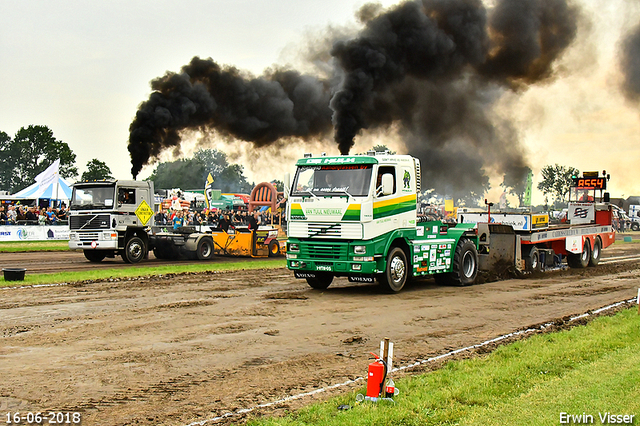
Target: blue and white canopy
59,189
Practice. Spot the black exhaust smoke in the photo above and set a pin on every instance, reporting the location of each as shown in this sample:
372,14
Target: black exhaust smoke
631,65
434,67
262,110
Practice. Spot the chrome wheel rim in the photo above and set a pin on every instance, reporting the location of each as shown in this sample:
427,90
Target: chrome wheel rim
397,269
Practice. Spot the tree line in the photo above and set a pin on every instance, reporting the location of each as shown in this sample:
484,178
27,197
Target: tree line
34,148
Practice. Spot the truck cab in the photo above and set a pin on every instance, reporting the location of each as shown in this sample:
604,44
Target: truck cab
356,217
109,218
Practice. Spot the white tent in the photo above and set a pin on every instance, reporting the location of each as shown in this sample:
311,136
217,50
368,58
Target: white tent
60,190
49,185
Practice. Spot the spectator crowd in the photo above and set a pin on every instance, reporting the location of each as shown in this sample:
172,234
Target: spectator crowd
218,219
33,215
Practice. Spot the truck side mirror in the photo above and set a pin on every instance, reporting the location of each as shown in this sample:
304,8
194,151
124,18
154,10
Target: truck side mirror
607,197
387,184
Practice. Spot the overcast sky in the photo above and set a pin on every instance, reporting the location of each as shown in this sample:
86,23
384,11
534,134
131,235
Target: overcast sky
83,67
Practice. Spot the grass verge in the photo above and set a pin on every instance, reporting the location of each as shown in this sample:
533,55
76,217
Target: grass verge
25,246
137,271
590,370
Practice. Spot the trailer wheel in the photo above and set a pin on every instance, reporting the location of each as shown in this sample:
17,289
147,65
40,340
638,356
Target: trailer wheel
205,249
321,281
532,260
134,250
635,226
580,260
95,256
395,276
595,253
274,249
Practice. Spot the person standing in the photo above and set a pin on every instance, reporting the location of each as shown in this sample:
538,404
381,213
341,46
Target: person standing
161,218
178,221
12,215
254,221
31,216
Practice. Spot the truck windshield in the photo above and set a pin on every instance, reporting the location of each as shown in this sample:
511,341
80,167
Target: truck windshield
353,179
97,197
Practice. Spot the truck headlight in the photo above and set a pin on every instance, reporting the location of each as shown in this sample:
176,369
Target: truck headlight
294,247
360,249
295,264
73,236
292,256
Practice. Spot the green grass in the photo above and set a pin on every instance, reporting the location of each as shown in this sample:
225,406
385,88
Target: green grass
589,369
137,271
24,246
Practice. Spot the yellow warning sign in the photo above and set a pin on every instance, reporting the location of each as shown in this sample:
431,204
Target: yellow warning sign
144,212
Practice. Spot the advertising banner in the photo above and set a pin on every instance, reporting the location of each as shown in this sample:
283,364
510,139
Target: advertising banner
33,233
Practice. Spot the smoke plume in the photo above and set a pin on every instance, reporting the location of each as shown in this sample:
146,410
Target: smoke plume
434,69
631,65
262,110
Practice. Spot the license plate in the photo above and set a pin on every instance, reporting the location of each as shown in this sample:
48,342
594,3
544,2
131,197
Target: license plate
323,268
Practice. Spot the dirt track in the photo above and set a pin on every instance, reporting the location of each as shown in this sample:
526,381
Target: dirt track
177,349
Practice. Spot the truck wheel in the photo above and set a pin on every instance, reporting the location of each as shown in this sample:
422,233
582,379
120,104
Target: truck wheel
580,260
395,276
465,265
321,281
594,259
635,226
205,249
532,260
159,253
134,250
94,255
274,249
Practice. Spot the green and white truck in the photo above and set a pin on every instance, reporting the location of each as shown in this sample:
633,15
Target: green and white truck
356,217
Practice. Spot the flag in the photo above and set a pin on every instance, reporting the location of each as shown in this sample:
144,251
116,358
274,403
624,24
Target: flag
526,200
207,191
49,176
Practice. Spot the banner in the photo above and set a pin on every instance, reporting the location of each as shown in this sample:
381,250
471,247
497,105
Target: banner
33,232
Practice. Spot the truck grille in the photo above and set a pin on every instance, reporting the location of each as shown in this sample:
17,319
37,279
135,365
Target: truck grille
88,236
321,251
301,229
91,221
324,229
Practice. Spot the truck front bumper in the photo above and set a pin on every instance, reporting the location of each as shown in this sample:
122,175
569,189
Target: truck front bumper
338,258
337,268
98,240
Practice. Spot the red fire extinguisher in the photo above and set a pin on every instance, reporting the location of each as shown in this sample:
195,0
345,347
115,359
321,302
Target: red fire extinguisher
376,376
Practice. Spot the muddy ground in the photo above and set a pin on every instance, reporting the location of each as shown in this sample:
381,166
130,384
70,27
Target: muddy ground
172,350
